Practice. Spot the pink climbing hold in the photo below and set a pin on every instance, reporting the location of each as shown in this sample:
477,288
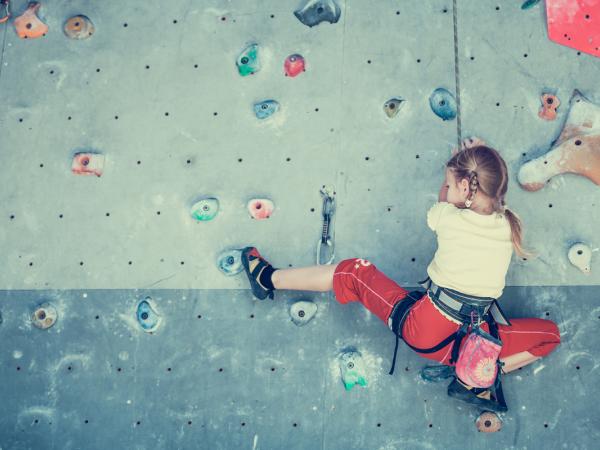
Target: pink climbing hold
88,164
260,208
575,23
576,150
549,105
294,64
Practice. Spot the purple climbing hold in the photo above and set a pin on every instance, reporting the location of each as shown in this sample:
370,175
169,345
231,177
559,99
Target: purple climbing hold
316,11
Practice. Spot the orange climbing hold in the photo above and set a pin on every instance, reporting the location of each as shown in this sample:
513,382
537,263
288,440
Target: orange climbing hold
28,25
575,23
549,105
488,422
576,150
79,27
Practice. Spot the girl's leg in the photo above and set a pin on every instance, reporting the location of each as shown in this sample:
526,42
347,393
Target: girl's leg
526,341
518,360
311,278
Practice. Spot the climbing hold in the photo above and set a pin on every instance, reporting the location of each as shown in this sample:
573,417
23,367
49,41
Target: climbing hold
352,369
392,106
4,12
205,209
488,422
44,316
88,164
580,255
230,262
529,4
147,316
302,312
266,108
79,27
293,65
443,104
576,150
549,105
316,11
247,62
575,23
260,208
28,25
437,372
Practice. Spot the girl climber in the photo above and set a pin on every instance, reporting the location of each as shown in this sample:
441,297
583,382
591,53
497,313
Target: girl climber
476,235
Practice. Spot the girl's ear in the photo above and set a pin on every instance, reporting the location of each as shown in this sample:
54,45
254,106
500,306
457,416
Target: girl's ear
464,186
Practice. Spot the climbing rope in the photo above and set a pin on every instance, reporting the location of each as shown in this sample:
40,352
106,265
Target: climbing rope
456,74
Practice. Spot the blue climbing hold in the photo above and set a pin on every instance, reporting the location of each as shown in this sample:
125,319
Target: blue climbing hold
316,11
146,316
266,108
230,262
443,104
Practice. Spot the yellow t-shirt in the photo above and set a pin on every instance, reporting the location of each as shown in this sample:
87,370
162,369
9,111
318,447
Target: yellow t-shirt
474,250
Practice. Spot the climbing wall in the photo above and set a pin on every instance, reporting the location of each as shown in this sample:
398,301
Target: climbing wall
123,320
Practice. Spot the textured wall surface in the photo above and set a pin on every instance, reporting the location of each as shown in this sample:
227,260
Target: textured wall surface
156,90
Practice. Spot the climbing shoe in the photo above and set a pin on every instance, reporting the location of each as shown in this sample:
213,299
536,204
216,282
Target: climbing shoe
254,265
476,396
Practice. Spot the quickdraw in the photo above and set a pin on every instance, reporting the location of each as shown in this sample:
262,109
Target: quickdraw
328,194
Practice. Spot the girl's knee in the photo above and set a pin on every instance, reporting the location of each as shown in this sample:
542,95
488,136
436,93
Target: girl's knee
552,328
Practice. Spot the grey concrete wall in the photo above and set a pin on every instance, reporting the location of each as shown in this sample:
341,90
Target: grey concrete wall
89,380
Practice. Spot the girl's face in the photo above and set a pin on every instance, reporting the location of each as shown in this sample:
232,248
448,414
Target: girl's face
457,193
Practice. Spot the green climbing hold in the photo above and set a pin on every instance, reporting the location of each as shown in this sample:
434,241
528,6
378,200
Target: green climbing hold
352,368
247,62
205,209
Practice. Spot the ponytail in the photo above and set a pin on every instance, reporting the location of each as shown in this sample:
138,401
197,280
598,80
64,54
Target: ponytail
517,235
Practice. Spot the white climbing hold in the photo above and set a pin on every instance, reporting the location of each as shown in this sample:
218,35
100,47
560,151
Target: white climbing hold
580,256
302,312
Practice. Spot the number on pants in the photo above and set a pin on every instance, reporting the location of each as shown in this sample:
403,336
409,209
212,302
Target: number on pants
363,263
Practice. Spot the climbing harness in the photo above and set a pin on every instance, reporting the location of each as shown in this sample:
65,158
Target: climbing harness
463,308
328,194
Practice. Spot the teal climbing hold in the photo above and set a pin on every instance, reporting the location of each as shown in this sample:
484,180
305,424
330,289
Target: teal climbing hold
443,104
205,209
248,63
230,262
352,368
147,317
529,4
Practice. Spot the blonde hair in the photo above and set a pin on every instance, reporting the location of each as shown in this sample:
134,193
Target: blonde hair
486,171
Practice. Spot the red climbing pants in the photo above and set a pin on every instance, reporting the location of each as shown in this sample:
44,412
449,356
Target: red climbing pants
359,280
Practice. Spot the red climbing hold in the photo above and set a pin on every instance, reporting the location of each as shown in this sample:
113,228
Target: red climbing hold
294,64
88,164
575,23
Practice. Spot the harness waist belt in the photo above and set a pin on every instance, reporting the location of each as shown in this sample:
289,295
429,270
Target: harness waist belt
460,306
